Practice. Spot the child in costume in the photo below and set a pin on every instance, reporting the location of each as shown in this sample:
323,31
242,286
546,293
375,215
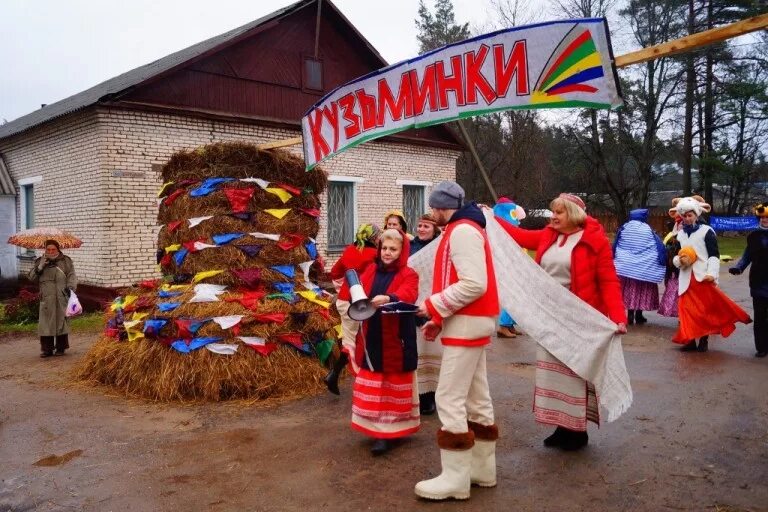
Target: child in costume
356,256
703,308
668,303
513,213
756,254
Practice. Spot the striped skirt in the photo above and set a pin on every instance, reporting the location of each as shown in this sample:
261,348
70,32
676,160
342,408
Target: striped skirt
430,356
668,303
385,405
639,294
561,397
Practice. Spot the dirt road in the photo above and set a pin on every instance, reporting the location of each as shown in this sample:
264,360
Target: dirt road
696,438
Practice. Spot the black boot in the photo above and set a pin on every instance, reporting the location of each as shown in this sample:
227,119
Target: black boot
639,318
332,379
62,344
630,316
46,346
380,447
574,440
427,403
689,347
703,344
556,438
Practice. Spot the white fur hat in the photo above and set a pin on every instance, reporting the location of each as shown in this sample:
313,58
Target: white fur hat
691,204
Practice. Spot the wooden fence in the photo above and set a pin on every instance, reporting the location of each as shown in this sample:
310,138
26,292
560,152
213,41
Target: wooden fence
657,220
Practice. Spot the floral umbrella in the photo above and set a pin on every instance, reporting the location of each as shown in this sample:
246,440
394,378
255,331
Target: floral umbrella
35,238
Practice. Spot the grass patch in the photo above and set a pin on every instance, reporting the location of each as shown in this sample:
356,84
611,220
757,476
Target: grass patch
88,322
732,245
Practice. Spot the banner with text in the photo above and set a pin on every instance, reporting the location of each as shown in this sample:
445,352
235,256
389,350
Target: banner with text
548,65
733,223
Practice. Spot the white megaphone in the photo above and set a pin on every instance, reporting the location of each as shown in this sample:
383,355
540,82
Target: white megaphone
360,308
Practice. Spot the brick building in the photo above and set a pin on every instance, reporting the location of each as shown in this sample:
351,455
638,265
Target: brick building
90,163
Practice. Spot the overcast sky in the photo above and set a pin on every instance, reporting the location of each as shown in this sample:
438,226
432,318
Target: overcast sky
52,49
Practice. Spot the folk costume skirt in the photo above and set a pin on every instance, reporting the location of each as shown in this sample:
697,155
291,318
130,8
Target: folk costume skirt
561,397
704,309
668,304
385,405
640,295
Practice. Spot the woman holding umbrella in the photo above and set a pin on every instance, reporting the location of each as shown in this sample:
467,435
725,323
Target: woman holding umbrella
55,274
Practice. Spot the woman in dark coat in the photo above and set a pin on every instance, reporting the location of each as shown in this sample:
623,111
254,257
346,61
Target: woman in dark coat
385,402
55,274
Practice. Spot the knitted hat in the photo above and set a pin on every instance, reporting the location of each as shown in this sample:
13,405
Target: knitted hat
446,195
761,210
574,199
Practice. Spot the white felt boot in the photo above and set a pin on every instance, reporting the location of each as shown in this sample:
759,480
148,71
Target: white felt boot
453,482
483,463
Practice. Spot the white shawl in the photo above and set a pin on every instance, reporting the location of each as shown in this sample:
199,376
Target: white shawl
567,327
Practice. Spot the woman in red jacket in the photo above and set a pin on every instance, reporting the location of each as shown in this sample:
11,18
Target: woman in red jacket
385,402
574,250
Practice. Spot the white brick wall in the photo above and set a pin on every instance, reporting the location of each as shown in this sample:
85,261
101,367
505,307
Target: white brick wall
99,183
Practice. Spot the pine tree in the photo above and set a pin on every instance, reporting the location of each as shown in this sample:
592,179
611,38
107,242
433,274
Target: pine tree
440,28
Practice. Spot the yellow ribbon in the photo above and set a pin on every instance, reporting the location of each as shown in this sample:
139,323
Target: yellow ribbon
338,330
278,212
208,273
133,334
128,300
312,297
139,316
162,189
174,287
173,248
283,194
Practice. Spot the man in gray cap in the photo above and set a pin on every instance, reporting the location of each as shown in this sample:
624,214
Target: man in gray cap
462,308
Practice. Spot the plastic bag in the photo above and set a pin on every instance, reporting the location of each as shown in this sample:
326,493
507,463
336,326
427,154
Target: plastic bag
73,306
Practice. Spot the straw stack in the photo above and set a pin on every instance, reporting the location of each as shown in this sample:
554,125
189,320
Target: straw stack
237,313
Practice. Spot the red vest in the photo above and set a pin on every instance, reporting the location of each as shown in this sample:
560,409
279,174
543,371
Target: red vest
445,275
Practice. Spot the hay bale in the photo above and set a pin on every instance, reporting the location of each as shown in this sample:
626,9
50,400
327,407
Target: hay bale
149,367
152,371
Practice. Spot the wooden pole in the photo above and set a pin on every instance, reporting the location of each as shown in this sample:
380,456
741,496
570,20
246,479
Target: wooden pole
693,41
280,143
480,165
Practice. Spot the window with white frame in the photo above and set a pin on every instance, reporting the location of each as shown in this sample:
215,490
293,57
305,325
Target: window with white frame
27,203
342,211
414,202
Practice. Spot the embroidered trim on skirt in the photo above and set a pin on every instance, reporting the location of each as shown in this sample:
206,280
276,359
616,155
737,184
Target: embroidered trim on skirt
561,397
668,303
704,309
430,356
385,405
639,294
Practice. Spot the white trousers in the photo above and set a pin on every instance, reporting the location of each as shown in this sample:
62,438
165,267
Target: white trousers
462,389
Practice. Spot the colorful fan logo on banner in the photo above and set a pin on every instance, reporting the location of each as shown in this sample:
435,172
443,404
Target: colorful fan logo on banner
574,62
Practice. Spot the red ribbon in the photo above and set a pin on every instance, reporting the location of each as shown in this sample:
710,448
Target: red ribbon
270,317
172,197
289,241
265,349
293,190
239,198
292,338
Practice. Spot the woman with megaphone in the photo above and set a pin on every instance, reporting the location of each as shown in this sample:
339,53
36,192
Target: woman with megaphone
385,401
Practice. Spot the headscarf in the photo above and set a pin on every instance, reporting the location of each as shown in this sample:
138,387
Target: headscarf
640,214
366,233
573,198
